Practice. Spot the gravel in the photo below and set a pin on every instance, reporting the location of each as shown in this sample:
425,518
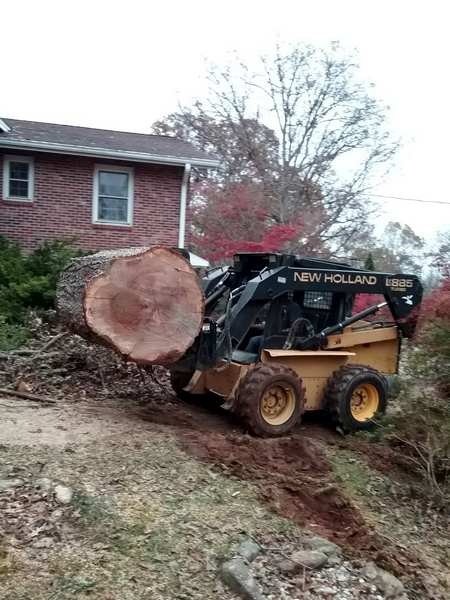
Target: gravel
333,577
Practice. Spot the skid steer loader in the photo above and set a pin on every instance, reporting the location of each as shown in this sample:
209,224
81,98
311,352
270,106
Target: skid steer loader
279,338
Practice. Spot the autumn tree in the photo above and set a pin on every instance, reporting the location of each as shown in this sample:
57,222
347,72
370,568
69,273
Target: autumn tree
304,127
247,153
236,219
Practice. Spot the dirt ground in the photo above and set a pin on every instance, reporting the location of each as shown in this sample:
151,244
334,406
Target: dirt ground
164,490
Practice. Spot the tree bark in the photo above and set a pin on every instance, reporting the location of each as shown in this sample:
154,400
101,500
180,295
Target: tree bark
145,303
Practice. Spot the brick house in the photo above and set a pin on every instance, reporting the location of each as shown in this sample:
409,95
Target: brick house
105,189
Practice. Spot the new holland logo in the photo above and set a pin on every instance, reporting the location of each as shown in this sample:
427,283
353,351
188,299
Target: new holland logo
407,300
336,278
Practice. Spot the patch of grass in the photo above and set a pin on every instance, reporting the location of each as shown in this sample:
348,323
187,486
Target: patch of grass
8,563
73,585
384,426
12,335
102,523
152,524
356,476
92,510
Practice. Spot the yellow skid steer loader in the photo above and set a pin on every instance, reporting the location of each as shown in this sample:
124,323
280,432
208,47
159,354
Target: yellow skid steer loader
279,338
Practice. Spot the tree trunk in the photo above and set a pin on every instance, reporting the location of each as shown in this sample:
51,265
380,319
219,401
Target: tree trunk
145,303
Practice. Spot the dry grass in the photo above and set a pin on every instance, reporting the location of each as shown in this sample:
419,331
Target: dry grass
147,522
397,513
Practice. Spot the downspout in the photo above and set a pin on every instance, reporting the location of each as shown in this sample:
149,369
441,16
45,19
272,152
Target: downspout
183,202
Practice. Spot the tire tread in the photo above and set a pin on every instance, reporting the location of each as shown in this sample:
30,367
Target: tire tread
249,392
336,389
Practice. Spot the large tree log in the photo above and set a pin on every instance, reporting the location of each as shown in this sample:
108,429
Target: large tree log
145,303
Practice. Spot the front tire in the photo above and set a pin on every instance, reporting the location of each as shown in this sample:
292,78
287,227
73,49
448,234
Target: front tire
355,395
270,400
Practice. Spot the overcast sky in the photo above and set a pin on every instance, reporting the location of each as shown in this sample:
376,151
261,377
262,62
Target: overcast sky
122,65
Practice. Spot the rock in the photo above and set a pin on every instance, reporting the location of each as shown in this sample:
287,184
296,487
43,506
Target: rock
249,550
44,483
23,386
327,590
45,542
288,567
236,575
56,514
334,561
63,494
312,559
323,545
7,484
342,575
387,583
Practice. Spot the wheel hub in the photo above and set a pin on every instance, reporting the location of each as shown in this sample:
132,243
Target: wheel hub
277,404
364,402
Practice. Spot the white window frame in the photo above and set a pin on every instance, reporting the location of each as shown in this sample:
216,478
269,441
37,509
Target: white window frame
113,169
7,160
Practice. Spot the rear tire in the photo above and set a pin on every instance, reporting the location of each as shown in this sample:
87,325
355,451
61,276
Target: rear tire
355,395
270,399
179,380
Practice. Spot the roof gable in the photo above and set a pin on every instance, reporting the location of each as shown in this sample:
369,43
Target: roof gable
68,139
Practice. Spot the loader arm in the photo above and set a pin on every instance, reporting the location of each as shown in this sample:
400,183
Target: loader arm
402,292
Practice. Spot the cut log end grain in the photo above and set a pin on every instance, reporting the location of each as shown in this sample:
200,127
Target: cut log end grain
146,304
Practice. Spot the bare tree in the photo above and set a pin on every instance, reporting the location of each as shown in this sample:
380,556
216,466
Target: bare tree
440,254
399,250
304,126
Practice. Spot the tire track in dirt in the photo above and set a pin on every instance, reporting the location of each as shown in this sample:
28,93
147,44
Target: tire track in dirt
293,476
292,473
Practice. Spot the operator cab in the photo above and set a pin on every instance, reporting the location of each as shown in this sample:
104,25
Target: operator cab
310,310
301,313
281,301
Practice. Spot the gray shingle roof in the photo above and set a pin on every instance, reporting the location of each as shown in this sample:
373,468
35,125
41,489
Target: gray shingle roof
102,143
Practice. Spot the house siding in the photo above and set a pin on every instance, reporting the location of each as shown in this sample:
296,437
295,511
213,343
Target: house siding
62,205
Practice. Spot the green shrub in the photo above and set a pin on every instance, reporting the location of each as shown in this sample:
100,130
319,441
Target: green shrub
29,282
429,359
49,260
12,271
420,428
12,335
12,265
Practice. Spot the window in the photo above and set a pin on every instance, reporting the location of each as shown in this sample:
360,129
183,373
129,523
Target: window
113,195
320,300
18,178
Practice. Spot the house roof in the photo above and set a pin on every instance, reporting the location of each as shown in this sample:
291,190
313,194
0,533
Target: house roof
102,143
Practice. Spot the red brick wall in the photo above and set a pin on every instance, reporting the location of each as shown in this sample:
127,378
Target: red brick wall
62,206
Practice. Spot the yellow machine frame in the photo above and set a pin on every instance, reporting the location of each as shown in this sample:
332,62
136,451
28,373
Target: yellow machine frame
376,347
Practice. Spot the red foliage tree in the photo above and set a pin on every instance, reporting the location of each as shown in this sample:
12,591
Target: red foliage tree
363,301
436,305
237,219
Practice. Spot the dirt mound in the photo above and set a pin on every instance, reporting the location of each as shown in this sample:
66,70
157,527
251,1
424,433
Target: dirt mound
293,477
